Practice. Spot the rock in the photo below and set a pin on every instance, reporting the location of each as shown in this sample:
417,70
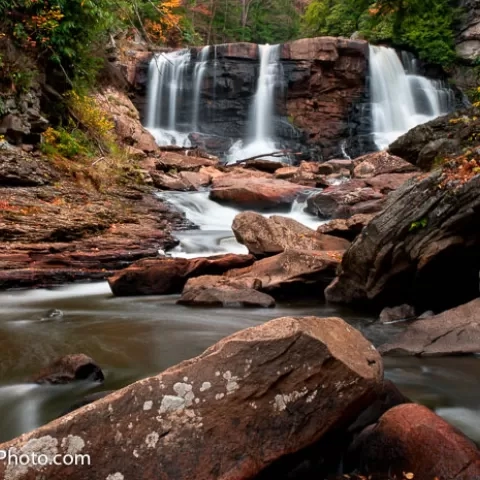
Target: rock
454,332
252,392
427,145
135,153
389,396
422,249
211,172
163,276
380,163
265,165
291,272
326,169
412,439
257,193
311,167
182,181
130,132
388,182
68,369
395,314
178,162
345,200
221,291
18,169
468,38
340,164
346,228
87,400
269,236
286,173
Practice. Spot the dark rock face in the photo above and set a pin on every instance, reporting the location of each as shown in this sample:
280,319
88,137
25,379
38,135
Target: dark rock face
262,393
468,38
321,98
454,332
422,249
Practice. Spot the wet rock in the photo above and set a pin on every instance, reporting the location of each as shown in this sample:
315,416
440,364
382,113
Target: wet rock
422,249
182,181
70,368
222,291
257,192
326,168
262,393
341,164
346,228
292,272
286,173
380,163
395,314
345,200
269,236
454,332
166,275
412,439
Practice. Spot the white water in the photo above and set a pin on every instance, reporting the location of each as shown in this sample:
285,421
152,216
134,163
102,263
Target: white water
215,235
262,111
401,99
198,75
166,77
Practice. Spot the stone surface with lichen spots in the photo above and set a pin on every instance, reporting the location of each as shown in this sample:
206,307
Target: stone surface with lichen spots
262,393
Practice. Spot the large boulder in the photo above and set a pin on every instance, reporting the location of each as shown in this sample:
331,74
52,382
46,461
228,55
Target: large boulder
454,332
422,249
291,272
182,162
346,200
217,290
428,144
269,236
255,192
411,439
162,276
70,368
380,163
261,394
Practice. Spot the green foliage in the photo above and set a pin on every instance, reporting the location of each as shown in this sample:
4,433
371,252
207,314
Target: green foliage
70,143
425,26
415,226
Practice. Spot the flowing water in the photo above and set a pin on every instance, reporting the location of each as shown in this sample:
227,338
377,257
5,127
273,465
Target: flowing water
198,76
261,139
401,98
132,338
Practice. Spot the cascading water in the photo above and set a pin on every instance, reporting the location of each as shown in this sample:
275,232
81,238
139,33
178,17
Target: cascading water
215,234
261,114
165,87
198,76
401,98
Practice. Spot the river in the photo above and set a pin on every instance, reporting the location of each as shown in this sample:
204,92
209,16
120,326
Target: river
132,338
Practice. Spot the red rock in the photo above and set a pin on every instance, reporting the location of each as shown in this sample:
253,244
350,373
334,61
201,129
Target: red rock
216,290
410,438
261,394
286,173
380,163
269,236
166,275
68,369
177,161
280,273
388,182
260,193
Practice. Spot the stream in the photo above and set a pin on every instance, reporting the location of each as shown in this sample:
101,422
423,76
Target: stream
132,338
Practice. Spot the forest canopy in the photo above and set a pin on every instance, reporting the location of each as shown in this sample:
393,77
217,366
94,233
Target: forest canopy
424,26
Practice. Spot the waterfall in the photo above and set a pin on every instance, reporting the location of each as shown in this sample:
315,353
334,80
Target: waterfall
401,98
166,75
262,111
198,75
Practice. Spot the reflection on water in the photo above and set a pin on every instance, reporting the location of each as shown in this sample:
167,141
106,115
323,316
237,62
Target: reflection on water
132,338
